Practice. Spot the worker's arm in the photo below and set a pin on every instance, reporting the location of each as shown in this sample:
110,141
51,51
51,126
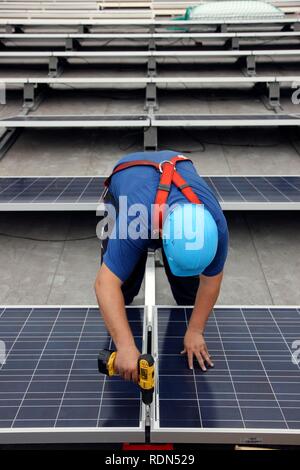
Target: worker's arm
111,302
194,342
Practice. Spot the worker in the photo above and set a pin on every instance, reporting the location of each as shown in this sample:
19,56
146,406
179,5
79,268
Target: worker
179,213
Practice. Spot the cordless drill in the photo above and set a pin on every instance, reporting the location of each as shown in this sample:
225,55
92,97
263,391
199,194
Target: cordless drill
106,361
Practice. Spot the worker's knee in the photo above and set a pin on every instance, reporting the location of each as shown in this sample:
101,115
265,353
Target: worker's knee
128,300
131,288
185,300
129,293
185,294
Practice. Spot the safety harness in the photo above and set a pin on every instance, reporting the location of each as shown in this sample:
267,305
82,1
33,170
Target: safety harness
169,176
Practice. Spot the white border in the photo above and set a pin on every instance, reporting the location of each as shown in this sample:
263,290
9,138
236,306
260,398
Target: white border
146,54
145,80
36,122
189,120
225,120
161,35
142,22
92,207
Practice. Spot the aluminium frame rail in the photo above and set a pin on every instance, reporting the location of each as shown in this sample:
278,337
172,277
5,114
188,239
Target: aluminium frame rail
152,35
149,35
133,54
143,80
124,3
60,13
171,6
225,120
58,121
46,6
146,22
158,120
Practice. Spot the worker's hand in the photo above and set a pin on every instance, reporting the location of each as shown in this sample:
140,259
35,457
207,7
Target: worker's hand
126,363
194,345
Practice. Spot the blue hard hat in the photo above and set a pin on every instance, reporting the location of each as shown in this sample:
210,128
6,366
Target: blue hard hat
190,239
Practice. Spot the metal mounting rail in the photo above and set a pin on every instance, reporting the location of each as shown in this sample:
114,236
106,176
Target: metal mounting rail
163,35
291,19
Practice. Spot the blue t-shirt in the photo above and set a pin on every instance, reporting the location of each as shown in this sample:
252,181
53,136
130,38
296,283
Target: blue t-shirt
139,185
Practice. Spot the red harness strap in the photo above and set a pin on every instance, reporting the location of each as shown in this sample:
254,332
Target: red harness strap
169,175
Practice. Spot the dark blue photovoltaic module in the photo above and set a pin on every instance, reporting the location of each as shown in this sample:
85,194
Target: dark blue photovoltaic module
255,383
51,193
50,378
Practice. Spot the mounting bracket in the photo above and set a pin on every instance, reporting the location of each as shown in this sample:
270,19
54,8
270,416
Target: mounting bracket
151,66
233,44
251,65
222,28
151,97
55,66
11,29
150,138
71,44
33,94
274,94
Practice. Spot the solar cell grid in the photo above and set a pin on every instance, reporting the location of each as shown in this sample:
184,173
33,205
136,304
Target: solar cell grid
50,378
51,190
256,189
254,384
294,181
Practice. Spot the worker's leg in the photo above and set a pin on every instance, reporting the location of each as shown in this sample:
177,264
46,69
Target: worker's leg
132,285
184,289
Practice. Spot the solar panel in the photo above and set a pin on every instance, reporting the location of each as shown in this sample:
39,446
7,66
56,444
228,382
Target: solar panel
130,120
224,120
162,120
51,193
50,387
253,392
51,391
256,191
83,193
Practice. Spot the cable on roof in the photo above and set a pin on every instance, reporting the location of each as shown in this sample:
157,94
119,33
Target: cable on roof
129,134
55,240
118,97
225,144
